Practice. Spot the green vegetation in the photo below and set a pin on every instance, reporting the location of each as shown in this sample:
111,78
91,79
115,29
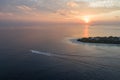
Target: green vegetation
106,40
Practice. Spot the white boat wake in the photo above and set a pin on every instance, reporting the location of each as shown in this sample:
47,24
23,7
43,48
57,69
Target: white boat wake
43,53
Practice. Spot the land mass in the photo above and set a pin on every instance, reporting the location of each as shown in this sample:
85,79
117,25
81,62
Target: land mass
106,40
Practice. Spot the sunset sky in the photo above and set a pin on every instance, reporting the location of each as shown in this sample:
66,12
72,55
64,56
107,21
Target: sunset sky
100,11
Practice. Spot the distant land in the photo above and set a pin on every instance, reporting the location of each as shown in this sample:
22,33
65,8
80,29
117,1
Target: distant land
105,40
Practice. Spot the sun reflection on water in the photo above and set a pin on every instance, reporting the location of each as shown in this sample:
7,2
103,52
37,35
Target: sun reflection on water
86,31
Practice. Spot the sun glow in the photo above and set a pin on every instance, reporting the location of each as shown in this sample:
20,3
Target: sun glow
86,19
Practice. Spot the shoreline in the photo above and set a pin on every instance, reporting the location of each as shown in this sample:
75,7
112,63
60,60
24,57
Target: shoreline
101,40
74,41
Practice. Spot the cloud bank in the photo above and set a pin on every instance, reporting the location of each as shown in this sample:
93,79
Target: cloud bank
58,10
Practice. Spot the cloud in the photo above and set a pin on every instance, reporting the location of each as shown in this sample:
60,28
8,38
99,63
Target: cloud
104,4
72,4
51,6
24,8
56,9
6,14
63,12
27,10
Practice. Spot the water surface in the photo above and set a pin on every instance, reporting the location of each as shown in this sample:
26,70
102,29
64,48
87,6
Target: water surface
70,61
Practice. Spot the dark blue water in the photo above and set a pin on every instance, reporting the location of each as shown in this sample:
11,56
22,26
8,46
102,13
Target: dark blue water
69,60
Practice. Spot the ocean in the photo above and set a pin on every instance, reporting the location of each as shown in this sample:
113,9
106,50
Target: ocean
47,52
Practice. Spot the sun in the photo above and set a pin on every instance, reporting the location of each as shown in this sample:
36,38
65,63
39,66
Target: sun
86,19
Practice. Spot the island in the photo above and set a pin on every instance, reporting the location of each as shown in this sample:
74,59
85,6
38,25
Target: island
105,40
